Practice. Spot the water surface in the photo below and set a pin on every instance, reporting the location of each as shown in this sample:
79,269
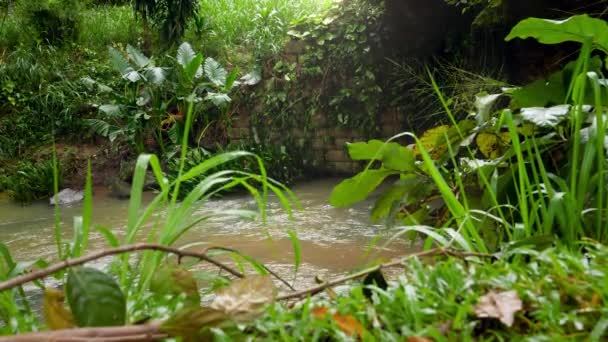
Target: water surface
333,240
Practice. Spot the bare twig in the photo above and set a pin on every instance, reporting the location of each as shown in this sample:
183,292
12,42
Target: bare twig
131,333
363,273
274,274
107,252
152,331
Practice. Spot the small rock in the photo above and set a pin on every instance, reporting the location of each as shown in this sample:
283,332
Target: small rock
67,196
120,189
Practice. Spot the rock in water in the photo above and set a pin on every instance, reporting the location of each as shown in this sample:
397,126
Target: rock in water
120,189
67,196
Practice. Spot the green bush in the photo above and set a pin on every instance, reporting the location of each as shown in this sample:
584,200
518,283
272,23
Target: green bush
54,21
32,181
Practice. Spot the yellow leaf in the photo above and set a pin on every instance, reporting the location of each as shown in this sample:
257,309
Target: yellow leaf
489,145
349,324
432,141
55,314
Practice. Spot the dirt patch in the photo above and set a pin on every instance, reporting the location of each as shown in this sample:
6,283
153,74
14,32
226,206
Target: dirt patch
105,162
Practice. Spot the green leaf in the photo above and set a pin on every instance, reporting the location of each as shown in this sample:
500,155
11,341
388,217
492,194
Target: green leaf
230,81
175,279
215,72
156,75
119,62
95,298
398,158
365,150
110,237
110,109
356,189
138,57
185,54
384,205
484,103
578,28
393,155
218,99
193,69
546,117
252,78
297,249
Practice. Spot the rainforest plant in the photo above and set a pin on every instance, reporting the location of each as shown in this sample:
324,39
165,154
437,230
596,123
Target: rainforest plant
532,169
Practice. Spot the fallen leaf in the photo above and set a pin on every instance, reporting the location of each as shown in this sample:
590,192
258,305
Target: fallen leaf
320,311
501,306
418,339
245,298
347,323
189,323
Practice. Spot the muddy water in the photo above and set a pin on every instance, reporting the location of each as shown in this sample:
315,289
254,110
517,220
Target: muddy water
333,240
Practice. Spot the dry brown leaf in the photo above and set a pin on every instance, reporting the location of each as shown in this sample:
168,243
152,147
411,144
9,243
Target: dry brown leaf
502,306
245,298
349,324
320,311
418,339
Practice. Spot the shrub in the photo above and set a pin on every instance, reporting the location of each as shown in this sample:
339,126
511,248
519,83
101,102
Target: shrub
54,21
32,181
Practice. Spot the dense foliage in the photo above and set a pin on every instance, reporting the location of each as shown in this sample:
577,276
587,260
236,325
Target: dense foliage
506,194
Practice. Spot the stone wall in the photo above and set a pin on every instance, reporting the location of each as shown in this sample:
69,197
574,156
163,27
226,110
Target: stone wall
411,23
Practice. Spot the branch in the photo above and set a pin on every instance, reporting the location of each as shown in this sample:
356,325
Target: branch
107,252
130,333
432,252
271,272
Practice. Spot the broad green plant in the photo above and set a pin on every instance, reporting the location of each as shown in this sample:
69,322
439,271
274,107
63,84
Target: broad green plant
532,170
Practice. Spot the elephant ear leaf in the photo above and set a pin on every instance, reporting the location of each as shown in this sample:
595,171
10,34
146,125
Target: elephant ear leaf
95,298
579,28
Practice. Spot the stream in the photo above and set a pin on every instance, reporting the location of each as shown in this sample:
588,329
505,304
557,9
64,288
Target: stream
333,240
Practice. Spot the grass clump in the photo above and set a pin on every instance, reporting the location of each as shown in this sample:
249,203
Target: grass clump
562,295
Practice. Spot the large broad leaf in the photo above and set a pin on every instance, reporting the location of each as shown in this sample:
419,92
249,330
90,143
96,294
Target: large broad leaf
215,72
356,189
546,117
484,103
185,54
138,57
193,69
110,109
393,155
579,28
245,298
95,298
218,99
189,323
156,75
175,280
252,78
119,62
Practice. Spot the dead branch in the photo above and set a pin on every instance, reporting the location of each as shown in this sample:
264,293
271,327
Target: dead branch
152,331
398,262
43,273
131,333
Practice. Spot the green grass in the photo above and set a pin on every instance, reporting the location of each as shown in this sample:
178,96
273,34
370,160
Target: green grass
102,26
241,30
563,295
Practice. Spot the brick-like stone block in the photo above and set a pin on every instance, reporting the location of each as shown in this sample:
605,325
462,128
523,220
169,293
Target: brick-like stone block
337,156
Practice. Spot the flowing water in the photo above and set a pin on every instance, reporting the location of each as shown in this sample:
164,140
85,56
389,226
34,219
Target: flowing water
333,240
